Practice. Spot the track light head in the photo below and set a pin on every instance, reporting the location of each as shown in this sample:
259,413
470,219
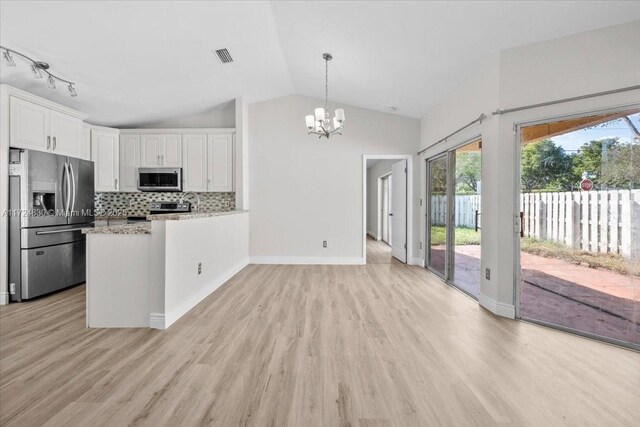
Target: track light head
52,82
8,58
72,90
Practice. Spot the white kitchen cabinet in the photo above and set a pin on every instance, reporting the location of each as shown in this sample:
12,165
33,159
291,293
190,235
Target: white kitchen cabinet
85,144
37,127
105,148
66,134
220,162
161,150
171,150
194,162
29,125
129,162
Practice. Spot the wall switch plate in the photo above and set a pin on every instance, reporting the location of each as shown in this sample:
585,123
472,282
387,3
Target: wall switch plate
199,268
487,274
324,243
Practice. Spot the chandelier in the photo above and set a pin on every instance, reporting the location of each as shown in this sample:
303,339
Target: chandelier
38,68
319,123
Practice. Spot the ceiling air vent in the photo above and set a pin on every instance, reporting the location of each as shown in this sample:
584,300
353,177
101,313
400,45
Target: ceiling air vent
224,56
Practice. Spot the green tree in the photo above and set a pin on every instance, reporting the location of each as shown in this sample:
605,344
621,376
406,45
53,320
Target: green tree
545,167
468,171
589,158
621,168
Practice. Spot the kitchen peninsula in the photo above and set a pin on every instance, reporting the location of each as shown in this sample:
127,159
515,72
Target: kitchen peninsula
151,274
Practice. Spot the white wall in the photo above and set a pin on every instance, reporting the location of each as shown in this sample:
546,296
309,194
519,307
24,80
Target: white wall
220,243
570,66
304,190
379,169
219,116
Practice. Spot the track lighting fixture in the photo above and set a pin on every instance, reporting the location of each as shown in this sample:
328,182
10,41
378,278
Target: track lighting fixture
38,68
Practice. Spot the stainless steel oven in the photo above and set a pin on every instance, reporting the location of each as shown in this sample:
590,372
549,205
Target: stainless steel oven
160,179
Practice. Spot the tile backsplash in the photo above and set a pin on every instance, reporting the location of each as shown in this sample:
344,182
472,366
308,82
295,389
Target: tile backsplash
137,204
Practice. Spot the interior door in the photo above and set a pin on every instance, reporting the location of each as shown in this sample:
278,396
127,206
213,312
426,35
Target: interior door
384,211
399,210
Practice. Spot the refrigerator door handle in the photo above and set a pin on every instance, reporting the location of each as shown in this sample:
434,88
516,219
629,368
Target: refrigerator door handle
68,181
75,190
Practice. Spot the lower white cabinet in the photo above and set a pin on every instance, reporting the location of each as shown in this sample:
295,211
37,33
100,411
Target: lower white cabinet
129,162
105,149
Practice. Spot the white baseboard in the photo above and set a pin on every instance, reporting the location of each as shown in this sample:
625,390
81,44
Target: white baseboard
496,307
4,298
417,261
175,314
156,321
301,260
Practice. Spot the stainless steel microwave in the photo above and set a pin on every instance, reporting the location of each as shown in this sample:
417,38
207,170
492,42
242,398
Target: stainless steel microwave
160,179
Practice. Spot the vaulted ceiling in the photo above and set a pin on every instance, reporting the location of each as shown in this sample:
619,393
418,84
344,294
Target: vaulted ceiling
139,62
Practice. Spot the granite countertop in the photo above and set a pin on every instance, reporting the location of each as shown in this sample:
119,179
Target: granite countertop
191,215
140,228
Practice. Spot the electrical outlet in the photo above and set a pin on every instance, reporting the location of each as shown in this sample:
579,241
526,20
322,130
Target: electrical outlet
487,274
199,268
324,243
420,245
12,288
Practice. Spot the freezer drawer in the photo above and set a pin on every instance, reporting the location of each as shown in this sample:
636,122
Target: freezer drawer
52,268
48,236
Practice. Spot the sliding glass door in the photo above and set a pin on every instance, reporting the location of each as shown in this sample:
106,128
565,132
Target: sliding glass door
453,232
437,177
579,240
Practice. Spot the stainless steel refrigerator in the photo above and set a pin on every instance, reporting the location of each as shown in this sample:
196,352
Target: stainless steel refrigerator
51,198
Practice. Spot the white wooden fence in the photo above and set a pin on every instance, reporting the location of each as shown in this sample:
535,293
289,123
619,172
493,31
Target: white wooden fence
592,221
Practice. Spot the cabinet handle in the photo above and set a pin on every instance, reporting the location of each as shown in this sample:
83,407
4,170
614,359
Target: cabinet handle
54,142
48,142
116,182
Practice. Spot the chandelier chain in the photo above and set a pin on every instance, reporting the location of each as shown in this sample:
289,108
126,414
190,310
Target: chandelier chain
326,84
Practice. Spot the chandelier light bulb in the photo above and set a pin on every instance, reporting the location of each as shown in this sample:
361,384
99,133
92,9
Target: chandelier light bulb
310,121
319,114
336,123
340,115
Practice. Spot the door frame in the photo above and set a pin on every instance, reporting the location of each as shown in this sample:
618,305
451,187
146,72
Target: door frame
517,126
381,181
410,199
449,153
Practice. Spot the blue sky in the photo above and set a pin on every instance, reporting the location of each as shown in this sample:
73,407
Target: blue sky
618,128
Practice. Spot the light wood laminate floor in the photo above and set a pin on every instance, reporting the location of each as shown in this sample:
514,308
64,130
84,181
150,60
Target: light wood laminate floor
374,345
378,252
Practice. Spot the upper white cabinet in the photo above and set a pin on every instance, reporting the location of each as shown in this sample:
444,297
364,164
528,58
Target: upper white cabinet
38,127
161,150
220,162
194,162
66,134
129,162
105,148
29,125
